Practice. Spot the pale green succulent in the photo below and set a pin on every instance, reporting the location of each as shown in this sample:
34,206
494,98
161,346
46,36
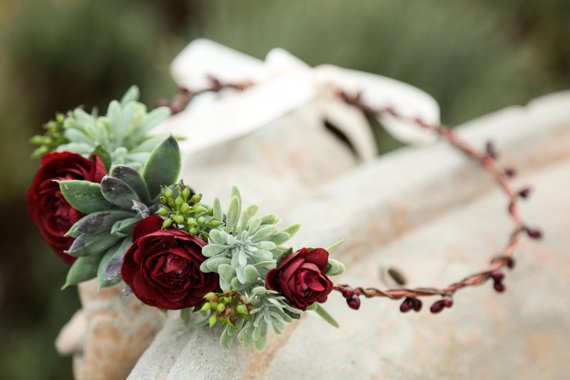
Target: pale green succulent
246,247
119,137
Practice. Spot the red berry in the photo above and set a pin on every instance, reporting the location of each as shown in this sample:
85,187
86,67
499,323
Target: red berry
407,305
437,307
525,192
347,292
533,233
497,275
510,263
510,172
448,302
417,304
353,303
499,287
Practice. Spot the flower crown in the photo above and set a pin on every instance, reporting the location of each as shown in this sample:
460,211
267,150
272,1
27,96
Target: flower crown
108,199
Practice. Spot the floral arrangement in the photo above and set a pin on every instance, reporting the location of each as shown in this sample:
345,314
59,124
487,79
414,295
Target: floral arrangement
108,200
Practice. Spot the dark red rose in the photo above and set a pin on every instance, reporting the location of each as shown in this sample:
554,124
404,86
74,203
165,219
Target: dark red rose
301,277
48,208
162,267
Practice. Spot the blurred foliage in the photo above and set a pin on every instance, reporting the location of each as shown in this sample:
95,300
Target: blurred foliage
472,56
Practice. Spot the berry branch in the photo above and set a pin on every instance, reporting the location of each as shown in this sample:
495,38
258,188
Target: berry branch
185,95
487,159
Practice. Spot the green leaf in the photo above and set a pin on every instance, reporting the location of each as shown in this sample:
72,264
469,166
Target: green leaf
132,178
104,155
97,222
335,245
335,268
217,210
109,271
251,274
118,193
163,166
233,214
88,245
292,229
83,269
324,314
125,227
84,196
131,95
185,316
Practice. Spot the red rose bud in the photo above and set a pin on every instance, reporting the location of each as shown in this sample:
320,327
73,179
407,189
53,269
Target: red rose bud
437,306
162,267
301,277
353,303
47,207
347,292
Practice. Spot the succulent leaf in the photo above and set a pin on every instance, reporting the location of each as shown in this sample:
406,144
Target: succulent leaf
84,196
118,193
83,269
132,178
163,166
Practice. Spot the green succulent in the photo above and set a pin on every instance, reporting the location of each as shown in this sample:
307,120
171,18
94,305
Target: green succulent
119,137
244,249
112,209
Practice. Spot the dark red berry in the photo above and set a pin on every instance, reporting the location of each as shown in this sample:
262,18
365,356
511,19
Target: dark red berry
525,192
499,287
510,263
448,302
437,307
353,303
510,172
407,305
347,292
497,275
533,233
417,304
491,150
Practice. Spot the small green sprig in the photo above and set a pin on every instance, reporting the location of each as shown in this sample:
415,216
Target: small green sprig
52,138
226,308
181,207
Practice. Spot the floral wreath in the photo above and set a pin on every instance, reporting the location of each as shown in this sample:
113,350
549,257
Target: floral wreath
108,200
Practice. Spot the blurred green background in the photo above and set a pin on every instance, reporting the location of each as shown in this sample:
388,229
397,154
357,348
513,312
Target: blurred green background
472,56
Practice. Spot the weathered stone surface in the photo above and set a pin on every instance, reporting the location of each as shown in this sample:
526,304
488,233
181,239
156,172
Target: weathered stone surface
437,217
109,333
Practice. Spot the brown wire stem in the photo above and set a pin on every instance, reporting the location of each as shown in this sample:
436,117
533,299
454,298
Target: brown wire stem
488,162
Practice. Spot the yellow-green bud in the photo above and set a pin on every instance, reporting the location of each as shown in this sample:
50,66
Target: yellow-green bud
221,307
212,320
167,223
184,208
242,310
178,219
209,295
186,193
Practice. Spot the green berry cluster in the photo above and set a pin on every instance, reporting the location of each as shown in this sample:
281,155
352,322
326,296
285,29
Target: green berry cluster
53,137
181,208
225,308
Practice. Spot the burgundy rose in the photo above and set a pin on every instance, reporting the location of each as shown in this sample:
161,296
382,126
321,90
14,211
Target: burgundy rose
48,208
162,267
301,277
